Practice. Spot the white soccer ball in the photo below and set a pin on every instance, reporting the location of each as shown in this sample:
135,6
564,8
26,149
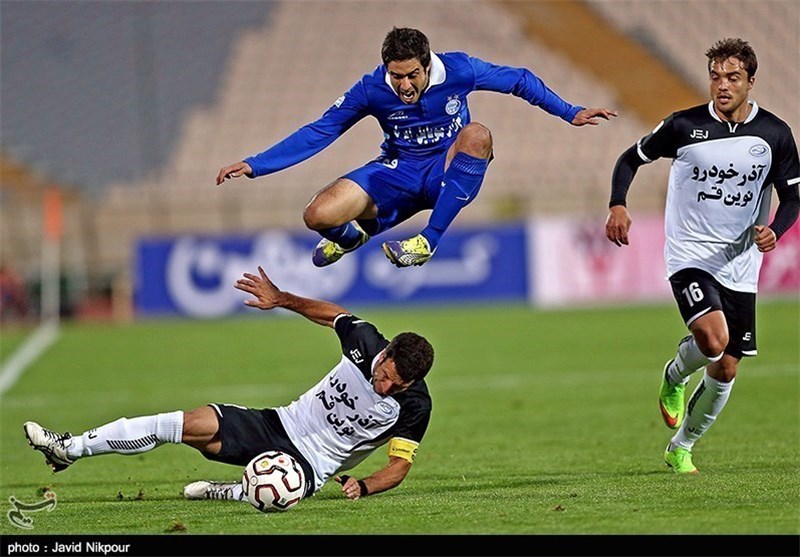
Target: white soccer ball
273,481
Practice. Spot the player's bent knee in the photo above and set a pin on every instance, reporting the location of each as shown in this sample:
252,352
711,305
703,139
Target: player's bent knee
200,426
315,217
711,344
475,139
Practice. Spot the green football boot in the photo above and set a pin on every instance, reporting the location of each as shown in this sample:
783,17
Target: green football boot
671,400
327,252
680,460
414,251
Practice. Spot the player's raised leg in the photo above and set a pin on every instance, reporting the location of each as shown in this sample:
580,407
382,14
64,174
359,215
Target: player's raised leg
332,213
127,436
468,159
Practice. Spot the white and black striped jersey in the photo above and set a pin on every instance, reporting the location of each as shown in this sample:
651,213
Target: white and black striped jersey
720,186
337,423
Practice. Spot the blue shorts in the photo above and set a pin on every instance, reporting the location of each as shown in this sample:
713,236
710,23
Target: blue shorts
399,187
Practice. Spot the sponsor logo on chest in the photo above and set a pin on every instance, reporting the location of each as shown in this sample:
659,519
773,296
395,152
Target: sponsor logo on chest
397,115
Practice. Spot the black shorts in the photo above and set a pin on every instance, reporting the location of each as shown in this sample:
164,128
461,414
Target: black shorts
247,432
698,293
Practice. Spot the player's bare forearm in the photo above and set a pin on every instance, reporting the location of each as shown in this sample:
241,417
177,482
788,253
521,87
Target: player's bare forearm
384,479
267,296
388,477
318,311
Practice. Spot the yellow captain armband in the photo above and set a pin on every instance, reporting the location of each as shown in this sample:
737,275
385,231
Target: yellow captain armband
403,448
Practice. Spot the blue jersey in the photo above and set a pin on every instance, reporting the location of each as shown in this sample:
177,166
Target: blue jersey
425,128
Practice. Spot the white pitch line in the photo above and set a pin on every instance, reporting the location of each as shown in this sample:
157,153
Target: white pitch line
33,347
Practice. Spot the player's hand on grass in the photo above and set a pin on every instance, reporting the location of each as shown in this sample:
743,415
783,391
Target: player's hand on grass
351,487
617,225
265,292
765,238
590,115
234,170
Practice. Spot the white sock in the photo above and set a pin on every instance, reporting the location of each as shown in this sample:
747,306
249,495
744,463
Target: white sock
237,493
688,359
708,400
129,435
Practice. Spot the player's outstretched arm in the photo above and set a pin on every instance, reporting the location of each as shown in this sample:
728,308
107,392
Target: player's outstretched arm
384,479
234,170
268,296
590,115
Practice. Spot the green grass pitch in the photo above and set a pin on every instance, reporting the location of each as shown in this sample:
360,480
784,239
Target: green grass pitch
544,422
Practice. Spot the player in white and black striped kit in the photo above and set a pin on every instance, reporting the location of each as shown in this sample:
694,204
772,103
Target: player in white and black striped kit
727,156
376,395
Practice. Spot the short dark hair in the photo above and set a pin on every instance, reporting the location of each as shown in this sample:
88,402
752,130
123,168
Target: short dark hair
733,48
404,43
412,355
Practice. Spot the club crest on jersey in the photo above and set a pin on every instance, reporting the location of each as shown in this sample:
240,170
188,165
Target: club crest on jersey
758,150
699,134
453,105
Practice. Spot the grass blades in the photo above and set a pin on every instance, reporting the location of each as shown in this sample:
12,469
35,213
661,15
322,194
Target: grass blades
544,422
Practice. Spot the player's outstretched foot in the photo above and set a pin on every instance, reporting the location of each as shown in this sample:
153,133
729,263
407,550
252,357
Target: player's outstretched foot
327,252
53,445
414,251
211,490
671,400
680,460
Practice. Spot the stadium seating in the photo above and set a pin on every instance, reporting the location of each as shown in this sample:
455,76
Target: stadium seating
285,70
681,32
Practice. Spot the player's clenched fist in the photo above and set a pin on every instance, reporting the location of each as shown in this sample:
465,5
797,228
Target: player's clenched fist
765,238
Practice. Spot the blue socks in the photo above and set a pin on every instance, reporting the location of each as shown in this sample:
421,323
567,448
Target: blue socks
346,235
462,180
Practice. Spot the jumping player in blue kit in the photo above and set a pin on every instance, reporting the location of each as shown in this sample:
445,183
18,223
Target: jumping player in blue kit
433,156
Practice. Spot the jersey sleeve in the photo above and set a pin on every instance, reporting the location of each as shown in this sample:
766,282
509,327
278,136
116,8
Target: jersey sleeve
521,83
661,142
415,414
361,341
314,137
785,176
787,163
